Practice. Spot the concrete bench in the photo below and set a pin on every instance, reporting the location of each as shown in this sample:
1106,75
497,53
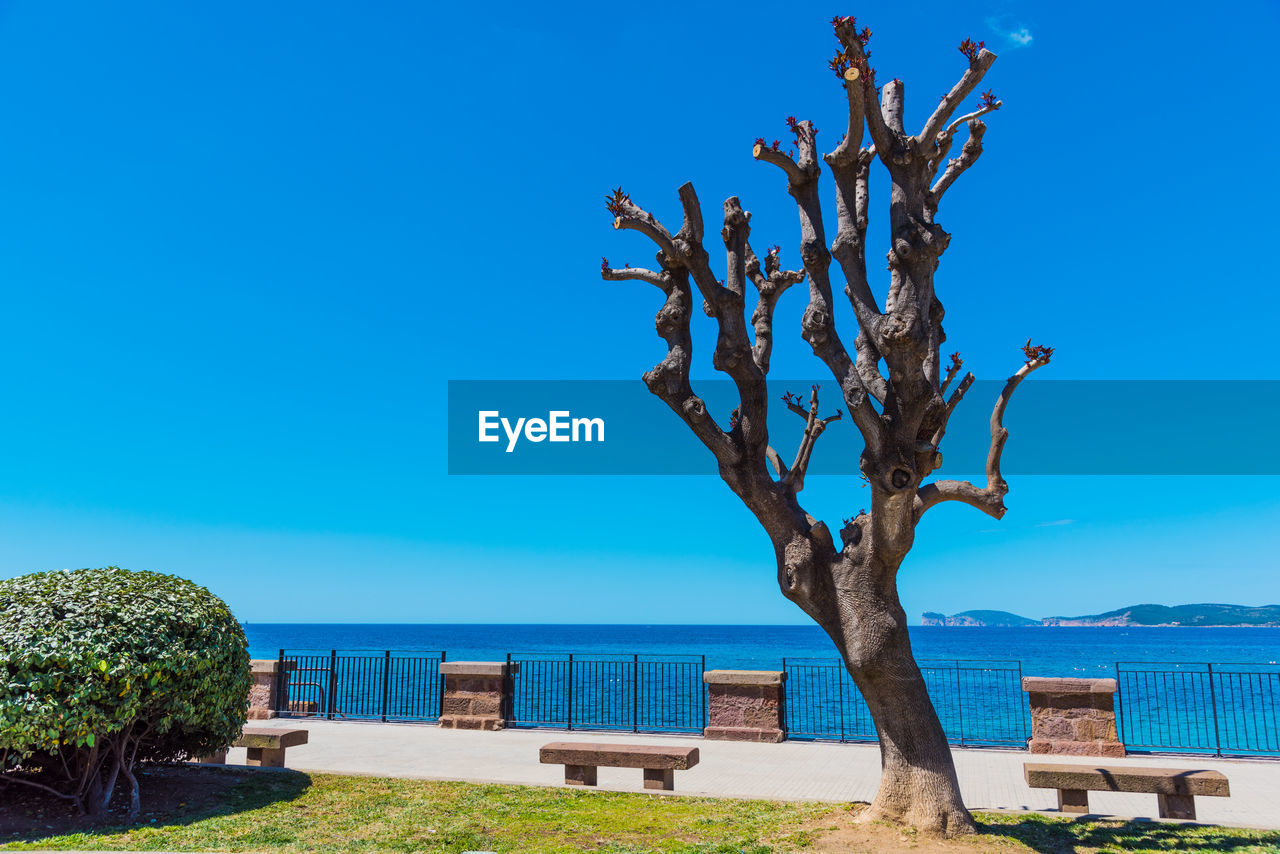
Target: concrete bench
265,746
1175,788
580,761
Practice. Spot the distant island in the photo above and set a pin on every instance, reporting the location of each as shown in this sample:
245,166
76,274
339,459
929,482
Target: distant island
1203,615
978,618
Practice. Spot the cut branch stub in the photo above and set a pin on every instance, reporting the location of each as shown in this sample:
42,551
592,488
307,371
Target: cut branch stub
795,175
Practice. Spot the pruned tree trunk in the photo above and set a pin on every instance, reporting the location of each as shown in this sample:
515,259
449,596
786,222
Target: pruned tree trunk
894,385
865,620
918,783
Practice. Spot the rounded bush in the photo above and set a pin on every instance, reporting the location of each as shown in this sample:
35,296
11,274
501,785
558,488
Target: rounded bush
101,668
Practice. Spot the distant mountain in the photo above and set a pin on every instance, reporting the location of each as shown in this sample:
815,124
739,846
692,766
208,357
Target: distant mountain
1207,614
977,618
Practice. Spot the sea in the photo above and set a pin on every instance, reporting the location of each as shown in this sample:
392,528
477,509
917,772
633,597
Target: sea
1039,650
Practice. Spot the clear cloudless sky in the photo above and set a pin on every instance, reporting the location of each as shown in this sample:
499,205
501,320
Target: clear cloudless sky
244,246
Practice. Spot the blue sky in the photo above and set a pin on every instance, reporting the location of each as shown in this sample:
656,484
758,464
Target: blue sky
244,246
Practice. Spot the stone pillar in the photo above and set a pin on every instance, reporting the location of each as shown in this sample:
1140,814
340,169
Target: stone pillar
1073,716
746,705
263,699
477,694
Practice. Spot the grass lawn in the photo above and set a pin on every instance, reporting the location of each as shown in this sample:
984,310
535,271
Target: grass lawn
226,809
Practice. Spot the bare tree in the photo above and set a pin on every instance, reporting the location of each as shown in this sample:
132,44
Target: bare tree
894,386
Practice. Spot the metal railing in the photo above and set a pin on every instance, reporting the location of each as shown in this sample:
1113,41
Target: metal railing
1218,708
649,693
978,702
1210,708
338,684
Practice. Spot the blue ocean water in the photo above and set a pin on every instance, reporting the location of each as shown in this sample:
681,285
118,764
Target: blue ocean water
1041,650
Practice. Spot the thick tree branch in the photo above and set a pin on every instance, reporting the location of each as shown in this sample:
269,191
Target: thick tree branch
854,49
733,351
771,283
656,278
806,144
956,397
669,379
850,167
868,366
945,139
788,526
734,354
969,155
849,250
742,453
852,178
793,480
691,228
692,255
851,144
778,465
893,104
737,227
991,499
976,114
760,151
628,215
952,100
819,318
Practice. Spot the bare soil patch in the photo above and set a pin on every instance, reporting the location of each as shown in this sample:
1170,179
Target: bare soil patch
842,834
170,794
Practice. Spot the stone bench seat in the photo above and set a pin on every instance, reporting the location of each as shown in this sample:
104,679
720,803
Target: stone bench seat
1175,788
265,746
580,761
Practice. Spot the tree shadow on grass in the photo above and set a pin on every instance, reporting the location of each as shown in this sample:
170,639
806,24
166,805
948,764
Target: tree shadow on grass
1067,836
170,795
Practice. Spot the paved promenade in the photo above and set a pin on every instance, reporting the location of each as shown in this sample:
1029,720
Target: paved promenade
989,779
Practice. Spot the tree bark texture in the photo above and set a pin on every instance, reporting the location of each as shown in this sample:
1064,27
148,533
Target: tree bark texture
897,392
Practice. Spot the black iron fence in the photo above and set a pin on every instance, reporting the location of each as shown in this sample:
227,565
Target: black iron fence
1212,708
1219,708
978,702
609,691
339,685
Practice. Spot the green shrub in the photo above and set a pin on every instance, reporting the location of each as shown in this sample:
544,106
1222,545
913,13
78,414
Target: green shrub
103,668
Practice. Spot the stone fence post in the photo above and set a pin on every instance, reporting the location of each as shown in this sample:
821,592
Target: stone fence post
746,705
270,689
477,694
1073,716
